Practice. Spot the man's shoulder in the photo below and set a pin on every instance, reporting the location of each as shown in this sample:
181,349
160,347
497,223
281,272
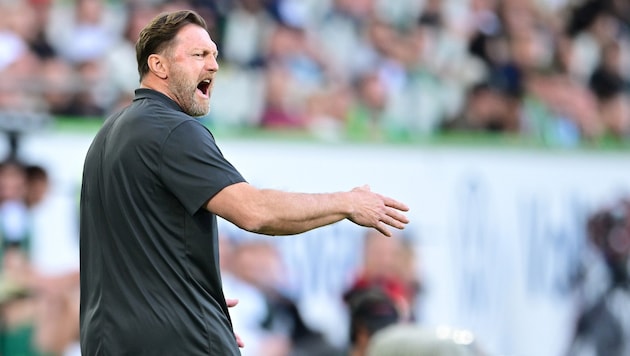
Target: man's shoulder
146,118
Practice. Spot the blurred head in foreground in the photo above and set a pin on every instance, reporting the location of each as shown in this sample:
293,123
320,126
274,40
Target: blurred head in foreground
414,340
609,231
370,311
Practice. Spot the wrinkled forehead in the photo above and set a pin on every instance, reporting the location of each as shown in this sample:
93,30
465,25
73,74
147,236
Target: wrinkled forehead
193,37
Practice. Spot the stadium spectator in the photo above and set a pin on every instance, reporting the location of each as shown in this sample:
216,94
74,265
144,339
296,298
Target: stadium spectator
370,310
389,265
291,59
610,88
295,69
19,87
60,83
256,271
37,185
121,73
16,273
84,31
39,273
253,309
247,30
14,216
601,325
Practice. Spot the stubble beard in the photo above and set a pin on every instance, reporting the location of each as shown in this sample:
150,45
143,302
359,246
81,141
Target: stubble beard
186,93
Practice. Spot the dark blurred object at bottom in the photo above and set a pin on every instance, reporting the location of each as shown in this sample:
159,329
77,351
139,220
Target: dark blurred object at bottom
603,322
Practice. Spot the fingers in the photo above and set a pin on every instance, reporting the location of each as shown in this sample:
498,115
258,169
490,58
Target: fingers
382,228
231,302
396,219
378,211
392,218
393,203
239,341
393,223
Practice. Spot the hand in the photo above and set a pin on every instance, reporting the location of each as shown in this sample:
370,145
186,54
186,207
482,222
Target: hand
377,211
231,303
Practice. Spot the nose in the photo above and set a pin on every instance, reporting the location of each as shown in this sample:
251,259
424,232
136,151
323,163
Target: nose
212,65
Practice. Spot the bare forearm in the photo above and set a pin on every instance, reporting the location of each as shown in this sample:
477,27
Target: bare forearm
283,213
275,212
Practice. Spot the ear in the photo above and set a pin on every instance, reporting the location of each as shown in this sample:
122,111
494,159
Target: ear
158,65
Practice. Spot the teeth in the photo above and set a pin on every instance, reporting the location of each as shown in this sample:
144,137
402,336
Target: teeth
206,81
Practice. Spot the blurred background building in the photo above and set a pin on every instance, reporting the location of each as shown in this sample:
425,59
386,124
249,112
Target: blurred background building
504,124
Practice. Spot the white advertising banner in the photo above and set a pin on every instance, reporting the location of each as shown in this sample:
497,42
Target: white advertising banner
498,231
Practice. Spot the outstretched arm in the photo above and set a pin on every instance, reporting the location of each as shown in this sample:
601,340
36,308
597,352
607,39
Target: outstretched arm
274,212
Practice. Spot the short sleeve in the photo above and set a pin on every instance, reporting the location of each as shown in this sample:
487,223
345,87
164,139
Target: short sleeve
193,168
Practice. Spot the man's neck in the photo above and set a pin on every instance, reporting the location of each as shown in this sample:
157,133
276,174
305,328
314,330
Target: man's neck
159,86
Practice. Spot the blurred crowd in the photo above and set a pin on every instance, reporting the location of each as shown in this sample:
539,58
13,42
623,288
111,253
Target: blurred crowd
381,298
551,70
39,271
39,286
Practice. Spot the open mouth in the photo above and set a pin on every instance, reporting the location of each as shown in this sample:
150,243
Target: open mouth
204,87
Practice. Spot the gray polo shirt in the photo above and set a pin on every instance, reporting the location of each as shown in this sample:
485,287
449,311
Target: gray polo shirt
150,278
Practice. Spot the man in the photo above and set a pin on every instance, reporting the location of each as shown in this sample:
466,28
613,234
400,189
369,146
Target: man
153,182
370,310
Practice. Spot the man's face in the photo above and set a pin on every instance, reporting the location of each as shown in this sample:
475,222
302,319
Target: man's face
193,65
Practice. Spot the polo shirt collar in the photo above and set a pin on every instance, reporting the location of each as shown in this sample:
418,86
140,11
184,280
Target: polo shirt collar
145,93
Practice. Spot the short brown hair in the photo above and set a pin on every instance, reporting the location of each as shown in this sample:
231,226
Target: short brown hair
160,32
